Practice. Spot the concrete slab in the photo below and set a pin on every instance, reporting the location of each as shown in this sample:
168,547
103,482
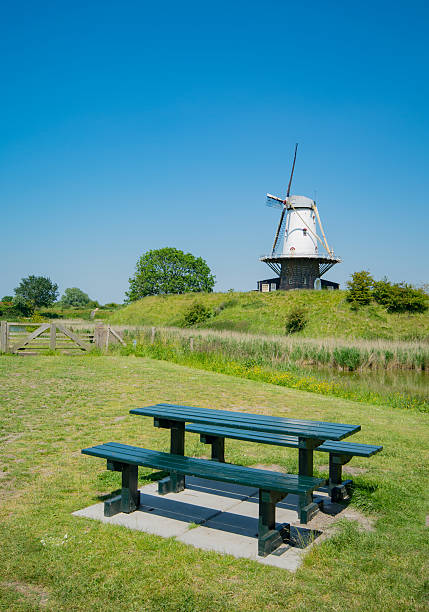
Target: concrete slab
226,515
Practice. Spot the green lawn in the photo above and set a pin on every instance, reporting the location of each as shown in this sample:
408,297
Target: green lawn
51,407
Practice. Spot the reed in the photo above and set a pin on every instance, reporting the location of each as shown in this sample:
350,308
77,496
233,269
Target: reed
276,352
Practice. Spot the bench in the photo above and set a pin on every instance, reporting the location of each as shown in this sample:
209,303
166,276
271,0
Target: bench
340,452
273,486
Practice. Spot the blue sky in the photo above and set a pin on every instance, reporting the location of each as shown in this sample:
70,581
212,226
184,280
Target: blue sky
128,126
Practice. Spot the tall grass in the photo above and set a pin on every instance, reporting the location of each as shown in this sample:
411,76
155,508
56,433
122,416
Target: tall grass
281,364
275,352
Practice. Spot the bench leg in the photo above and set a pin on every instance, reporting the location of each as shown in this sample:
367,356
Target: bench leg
174,483
269,538
218,446
129,499
307,508
338,489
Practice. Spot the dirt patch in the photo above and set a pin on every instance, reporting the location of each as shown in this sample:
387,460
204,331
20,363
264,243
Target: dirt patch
34,593
273,467
119,418
326,519
347,469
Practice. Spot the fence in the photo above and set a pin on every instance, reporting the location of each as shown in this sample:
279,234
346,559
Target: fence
24,338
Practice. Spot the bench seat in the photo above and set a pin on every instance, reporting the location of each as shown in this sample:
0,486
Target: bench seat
273,486
340,452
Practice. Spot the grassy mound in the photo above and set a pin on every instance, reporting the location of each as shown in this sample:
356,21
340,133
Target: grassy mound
328,314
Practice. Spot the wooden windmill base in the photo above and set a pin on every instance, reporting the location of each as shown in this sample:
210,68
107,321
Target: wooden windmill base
298,274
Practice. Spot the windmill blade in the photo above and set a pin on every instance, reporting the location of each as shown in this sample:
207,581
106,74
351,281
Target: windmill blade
321,229
274,202
291,174
282,216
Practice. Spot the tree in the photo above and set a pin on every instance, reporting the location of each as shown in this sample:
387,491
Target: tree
38,290
75,297
359,288
169,270
7,298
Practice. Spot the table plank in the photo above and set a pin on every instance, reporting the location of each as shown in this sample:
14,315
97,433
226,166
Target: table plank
318,430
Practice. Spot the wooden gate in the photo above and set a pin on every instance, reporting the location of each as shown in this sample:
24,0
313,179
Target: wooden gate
14,338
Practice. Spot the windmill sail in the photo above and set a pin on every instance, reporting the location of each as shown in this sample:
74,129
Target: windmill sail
282,216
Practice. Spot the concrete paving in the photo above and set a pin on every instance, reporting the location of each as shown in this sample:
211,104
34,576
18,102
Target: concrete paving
214,516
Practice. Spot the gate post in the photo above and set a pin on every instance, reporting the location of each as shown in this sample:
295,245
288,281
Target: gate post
4,337
101,335
52,336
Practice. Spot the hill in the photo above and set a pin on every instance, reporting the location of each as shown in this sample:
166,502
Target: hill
329,314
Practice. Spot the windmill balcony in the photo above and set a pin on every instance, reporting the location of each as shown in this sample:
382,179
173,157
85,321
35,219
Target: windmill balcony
295,255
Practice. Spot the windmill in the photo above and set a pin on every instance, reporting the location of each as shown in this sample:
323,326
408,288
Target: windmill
295,256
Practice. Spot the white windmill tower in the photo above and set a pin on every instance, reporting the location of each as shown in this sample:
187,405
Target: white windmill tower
299,256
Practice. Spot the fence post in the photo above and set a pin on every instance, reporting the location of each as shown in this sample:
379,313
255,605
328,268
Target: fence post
4,337
52,336
191,344
99,337
152,337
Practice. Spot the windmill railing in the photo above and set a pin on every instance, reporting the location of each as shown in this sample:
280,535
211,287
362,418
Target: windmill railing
295,255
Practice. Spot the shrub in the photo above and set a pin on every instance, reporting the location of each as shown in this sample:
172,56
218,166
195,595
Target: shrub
22,307
196,313
399,297
359,288
296,320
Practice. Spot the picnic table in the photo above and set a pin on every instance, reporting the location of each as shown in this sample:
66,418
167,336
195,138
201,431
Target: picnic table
216,425
310,434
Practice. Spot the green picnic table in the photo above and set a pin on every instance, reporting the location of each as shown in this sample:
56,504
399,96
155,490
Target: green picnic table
216,425
308,435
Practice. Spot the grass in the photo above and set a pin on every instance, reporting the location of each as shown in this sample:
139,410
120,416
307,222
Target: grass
265,313
54,406
269,360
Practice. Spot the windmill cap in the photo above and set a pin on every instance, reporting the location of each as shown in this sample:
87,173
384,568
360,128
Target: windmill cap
301,201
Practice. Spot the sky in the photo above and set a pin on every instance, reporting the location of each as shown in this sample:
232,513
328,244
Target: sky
129,126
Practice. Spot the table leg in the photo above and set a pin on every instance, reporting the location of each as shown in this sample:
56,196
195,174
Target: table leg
305,462
306,446
175,482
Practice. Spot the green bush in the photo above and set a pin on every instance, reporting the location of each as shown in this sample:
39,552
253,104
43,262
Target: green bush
296,320
22,307
196,313
359,288
399,297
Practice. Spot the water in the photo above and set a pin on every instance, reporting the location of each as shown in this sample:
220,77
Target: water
405,382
